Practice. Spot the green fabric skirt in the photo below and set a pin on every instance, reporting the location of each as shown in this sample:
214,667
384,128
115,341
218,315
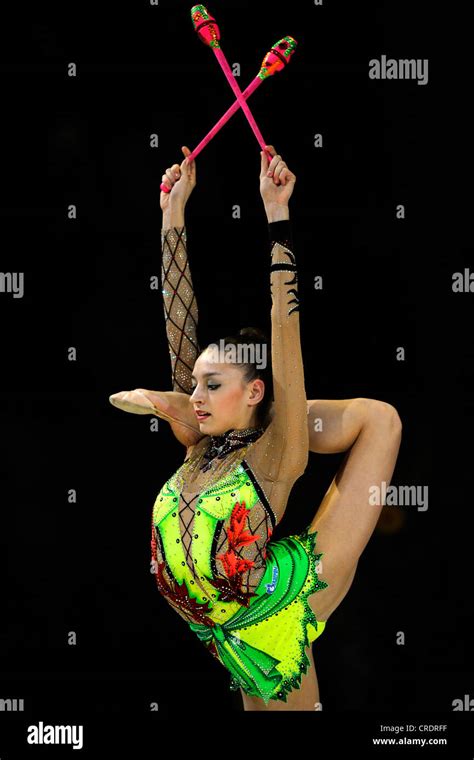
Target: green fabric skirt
263,645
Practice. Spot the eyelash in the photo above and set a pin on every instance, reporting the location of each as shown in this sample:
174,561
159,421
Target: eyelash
210,386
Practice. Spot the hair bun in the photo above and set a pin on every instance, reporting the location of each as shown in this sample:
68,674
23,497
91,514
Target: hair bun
253,333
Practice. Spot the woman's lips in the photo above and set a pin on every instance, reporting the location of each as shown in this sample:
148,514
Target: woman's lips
202,416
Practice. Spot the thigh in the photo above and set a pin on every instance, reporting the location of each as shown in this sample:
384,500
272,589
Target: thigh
304,698
349,512
324,602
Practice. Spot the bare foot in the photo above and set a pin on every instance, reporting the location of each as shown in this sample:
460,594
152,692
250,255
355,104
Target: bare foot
171,406
134,402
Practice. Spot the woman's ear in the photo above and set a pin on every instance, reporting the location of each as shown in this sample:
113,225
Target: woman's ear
257,391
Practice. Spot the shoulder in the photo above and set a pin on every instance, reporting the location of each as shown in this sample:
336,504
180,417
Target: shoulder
258,451
269,455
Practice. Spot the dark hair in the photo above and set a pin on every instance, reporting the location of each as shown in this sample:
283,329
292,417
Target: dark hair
253,336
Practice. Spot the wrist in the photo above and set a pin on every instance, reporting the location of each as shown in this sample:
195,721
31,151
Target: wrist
173,217
276,212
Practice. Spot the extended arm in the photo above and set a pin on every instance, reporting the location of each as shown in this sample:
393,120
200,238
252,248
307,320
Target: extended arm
281,453
181,312
181,317
287,434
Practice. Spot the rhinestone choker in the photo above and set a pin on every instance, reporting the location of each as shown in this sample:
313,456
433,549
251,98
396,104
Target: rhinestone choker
221,445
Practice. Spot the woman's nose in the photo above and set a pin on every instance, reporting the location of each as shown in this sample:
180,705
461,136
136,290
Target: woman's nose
196,395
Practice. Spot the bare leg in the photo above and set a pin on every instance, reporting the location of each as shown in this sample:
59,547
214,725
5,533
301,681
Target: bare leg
347,517
333,424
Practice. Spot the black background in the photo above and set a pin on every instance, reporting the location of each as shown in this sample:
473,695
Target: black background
84,140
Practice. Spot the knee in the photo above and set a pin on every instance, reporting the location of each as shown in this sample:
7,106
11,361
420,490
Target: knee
382,413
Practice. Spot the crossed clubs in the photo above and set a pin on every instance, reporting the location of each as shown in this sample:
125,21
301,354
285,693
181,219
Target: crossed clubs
274,61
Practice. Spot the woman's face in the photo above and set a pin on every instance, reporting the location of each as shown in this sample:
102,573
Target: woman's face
219,389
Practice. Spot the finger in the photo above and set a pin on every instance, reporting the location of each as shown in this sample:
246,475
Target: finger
268,168
264,159
273,164
176,169
171,176
166,180
189,166
279,168
287,177
189,169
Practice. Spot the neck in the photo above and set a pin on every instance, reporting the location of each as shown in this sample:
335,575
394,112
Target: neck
232,439
230,431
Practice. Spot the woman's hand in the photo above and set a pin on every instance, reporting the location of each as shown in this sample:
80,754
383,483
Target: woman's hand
181,180
276,190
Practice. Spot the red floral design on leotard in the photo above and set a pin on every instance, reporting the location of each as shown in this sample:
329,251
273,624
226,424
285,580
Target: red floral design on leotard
237,536
230,586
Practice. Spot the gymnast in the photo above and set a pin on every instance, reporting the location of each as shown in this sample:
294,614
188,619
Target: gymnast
255,603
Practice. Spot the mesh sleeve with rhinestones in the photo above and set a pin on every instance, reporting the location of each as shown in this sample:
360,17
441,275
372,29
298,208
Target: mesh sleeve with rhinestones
180,305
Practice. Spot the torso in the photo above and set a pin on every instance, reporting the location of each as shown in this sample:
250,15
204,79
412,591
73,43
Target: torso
209,535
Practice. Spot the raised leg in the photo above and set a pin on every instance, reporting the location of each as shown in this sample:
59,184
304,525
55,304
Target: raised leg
347,516
333,424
